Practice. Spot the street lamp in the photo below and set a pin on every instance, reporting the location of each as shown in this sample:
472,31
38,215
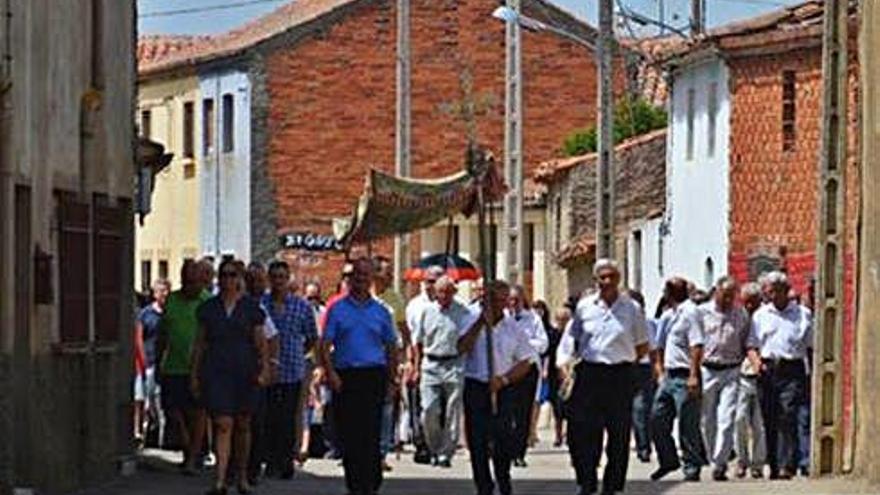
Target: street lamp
507,14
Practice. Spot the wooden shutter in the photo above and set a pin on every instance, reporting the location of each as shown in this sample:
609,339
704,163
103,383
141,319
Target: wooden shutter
73,268
109,244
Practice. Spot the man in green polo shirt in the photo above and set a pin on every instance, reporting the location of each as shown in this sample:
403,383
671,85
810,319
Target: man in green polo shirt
177,332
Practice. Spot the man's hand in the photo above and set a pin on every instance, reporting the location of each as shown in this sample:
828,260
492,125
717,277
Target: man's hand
497,383
334,381
265,377
693,386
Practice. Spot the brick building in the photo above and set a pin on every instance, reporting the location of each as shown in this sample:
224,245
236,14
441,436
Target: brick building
322,92
767,73
640,188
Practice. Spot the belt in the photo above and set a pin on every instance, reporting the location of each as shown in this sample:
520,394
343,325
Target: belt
678,372
720,366
590,364
440,359
780,362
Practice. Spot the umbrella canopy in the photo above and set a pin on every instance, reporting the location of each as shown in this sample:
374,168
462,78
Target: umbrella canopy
456,267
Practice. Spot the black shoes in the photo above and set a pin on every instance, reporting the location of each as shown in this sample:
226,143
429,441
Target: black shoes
644,456
692,477
719,475
661,472
520,463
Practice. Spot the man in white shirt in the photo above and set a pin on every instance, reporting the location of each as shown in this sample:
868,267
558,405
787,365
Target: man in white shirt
783,333
609,335
680,340
527,391
489,398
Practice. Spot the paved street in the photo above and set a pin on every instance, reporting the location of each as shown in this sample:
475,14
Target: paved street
547,474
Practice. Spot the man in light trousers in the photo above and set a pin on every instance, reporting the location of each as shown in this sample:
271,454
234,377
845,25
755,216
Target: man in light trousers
436,348
749,422
726,328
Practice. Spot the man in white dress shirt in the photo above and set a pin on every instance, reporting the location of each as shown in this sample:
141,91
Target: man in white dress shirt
527,391
489,395
609,335
783,333
680,340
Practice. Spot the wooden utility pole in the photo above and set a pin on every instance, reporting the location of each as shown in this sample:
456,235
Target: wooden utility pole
605,169
402,164
512,244
827,411
867,454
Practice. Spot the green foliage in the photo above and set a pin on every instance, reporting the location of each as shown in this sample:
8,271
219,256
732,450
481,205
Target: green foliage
632,117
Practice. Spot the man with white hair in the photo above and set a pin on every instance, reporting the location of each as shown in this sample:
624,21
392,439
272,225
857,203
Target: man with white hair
414,310
610,336
726,329
435,339
783,333
749,423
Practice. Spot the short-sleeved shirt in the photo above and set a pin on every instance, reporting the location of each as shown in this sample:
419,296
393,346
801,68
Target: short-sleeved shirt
180,325
510,346
785,334
415,308
295,322
608,335
393,302
680,329
150,319
360,332
530,323
652,339
726,334
437,332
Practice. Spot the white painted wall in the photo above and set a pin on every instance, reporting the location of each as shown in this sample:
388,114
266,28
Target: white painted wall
698,189
651,277
234,192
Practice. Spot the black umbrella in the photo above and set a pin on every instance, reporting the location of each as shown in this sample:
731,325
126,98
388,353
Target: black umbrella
456,267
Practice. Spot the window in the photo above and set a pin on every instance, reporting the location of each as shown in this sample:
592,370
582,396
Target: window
789,110
189,129
208,125
691,104
529,247
146,123
109,232
74,230
228,120
713,117
163,269
146,275
637,259
558,221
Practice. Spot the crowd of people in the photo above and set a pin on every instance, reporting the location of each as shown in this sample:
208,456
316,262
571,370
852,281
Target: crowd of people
250,373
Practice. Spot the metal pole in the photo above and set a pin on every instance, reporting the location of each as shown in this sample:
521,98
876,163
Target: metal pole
697,17
605,170
512,243
402,139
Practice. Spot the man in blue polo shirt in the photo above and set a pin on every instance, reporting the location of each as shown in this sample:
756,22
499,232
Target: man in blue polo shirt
358,353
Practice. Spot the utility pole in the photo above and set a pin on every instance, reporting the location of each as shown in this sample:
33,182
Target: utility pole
402,137
698,17
605,169
829,439
513,161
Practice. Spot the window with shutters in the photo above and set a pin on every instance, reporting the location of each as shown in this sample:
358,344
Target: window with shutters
189,129
163,269
108,274
207,126
228,123
789,110
529,247
73,267
147,123
691,116
713,117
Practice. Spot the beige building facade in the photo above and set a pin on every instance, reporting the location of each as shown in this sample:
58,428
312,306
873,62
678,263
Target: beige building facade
67,163
170,112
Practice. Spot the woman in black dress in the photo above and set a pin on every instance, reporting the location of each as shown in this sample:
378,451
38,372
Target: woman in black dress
230,363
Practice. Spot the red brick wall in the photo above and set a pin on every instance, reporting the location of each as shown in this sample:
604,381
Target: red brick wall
774,194
332,102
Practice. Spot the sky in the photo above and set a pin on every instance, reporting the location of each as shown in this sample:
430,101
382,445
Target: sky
217,21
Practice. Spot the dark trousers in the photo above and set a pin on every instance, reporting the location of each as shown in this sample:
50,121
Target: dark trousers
358,415
642,404
673,400
601,402
259,435
489,436
783,387
525,393
281,426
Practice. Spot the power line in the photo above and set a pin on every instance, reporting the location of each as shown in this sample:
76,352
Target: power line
206,8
